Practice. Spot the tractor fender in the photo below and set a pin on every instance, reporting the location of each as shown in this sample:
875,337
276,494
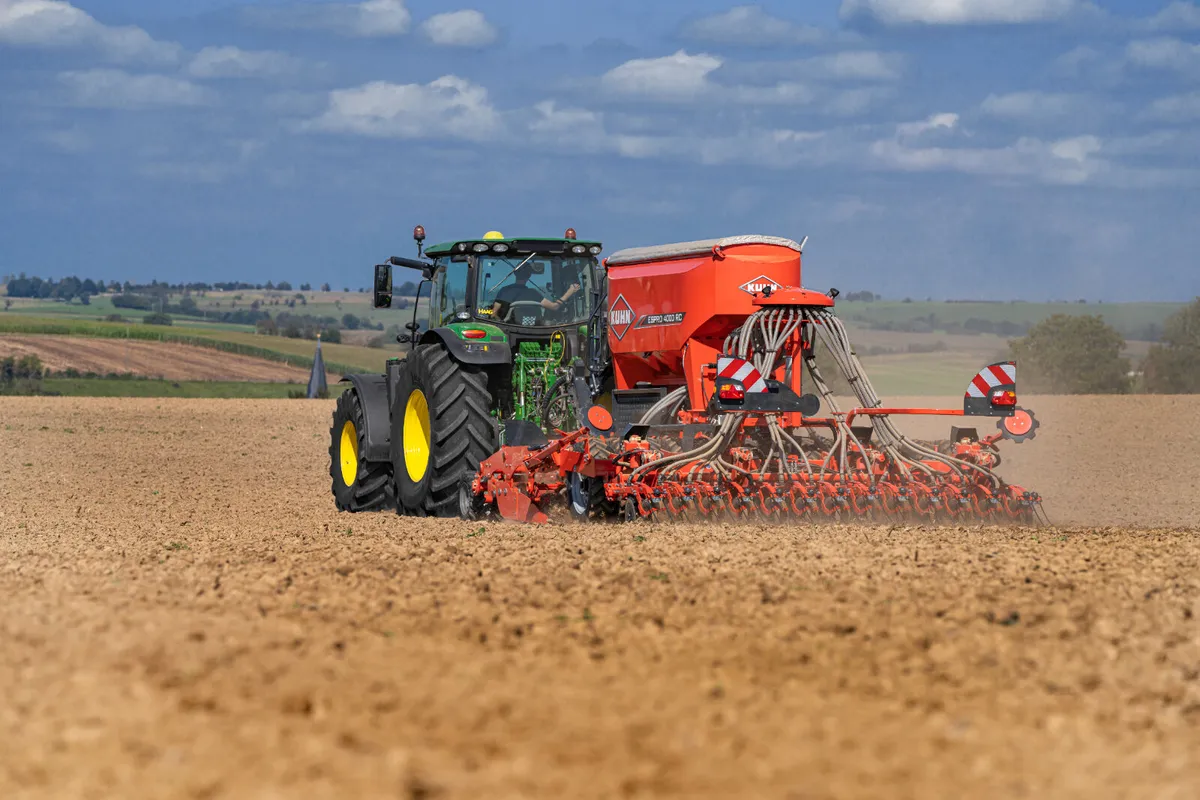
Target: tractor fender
497,353
373,396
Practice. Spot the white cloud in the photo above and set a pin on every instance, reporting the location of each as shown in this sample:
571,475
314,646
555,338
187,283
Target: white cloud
368,19
449,106
1177,16
582,130
1177,108
1066,161
114,88
750,25
1033,105
1063,161
935,122
467,28
776,148
959,12
849,65
549,118
675,76
573,129
54,23
936,144
682,77
795,94
233,62
1166,54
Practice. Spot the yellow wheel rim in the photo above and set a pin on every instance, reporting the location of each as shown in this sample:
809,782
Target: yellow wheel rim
348,452
416,435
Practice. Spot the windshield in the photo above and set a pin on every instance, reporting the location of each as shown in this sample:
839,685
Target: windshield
535,290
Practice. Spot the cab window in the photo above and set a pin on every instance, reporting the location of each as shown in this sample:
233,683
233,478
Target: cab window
448,295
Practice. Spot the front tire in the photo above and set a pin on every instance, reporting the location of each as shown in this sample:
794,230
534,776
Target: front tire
443,428
358,484
587,500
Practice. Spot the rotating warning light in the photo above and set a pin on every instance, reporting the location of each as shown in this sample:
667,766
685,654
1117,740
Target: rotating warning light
419,233
570,234
493,235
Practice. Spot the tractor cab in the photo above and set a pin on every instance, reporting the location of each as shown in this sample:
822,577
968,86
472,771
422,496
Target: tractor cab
523,286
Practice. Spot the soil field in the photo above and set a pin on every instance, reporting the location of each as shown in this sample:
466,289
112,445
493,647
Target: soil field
153,359
185,616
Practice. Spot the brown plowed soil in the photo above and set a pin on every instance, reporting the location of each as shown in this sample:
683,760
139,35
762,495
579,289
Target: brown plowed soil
186,616
175,362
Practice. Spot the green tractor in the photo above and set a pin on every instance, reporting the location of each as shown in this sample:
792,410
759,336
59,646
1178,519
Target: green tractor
505,351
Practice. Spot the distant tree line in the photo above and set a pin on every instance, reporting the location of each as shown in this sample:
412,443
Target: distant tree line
74,287
931,322
64,290
1082,354
71,288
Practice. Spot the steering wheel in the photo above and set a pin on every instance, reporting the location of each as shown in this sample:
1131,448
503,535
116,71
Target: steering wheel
536,305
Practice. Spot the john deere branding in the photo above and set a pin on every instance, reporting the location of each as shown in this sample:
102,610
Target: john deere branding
760,285
660,320
620,317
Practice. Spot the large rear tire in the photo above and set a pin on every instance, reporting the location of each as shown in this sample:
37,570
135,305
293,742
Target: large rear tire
358,484
443,429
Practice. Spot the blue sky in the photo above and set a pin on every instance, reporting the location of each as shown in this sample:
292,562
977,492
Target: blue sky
999,149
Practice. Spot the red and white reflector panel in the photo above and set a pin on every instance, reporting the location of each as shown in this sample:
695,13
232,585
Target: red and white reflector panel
739,369
988,378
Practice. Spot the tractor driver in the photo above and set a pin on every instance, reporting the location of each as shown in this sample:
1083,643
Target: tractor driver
521,291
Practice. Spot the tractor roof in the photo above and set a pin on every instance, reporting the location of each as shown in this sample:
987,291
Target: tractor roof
513,245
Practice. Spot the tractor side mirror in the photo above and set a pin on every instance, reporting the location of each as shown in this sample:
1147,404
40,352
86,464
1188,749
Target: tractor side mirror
383,286
411,263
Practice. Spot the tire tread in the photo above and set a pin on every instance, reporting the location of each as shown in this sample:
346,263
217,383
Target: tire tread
373,487
463,431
